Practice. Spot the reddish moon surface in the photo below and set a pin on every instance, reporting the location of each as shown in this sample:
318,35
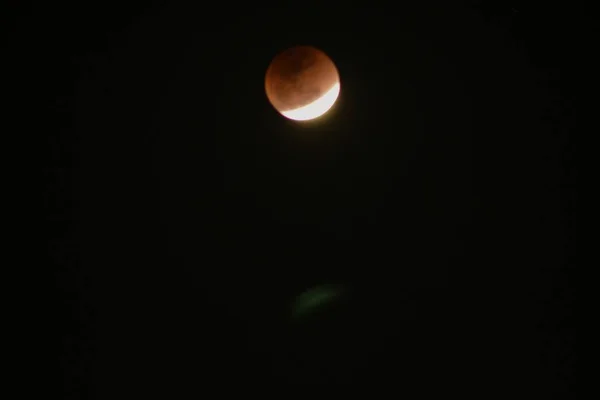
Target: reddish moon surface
302,83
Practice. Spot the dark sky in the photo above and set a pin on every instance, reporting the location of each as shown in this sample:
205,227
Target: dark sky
185,214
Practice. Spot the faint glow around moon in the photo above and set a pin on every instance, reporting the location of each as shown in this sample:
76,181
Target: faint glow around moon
316,108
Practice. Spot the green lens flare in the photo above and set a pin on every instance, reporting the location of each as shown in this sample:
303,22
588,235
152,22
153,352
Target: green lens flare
314,298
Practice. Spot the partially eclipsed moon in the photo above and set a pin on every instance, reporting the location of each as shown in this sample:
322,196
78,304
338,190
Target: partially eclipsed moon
302,83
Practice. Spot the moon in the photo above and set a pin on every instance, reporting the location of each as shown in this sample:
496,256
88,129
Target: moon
302,83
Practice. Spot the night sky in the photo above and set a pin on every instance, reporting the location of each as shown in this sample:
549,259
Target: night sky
185,215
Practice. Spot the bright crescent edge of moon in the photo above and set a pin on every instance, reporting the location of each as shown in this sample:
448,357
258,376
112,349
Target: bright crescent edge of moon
316,108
